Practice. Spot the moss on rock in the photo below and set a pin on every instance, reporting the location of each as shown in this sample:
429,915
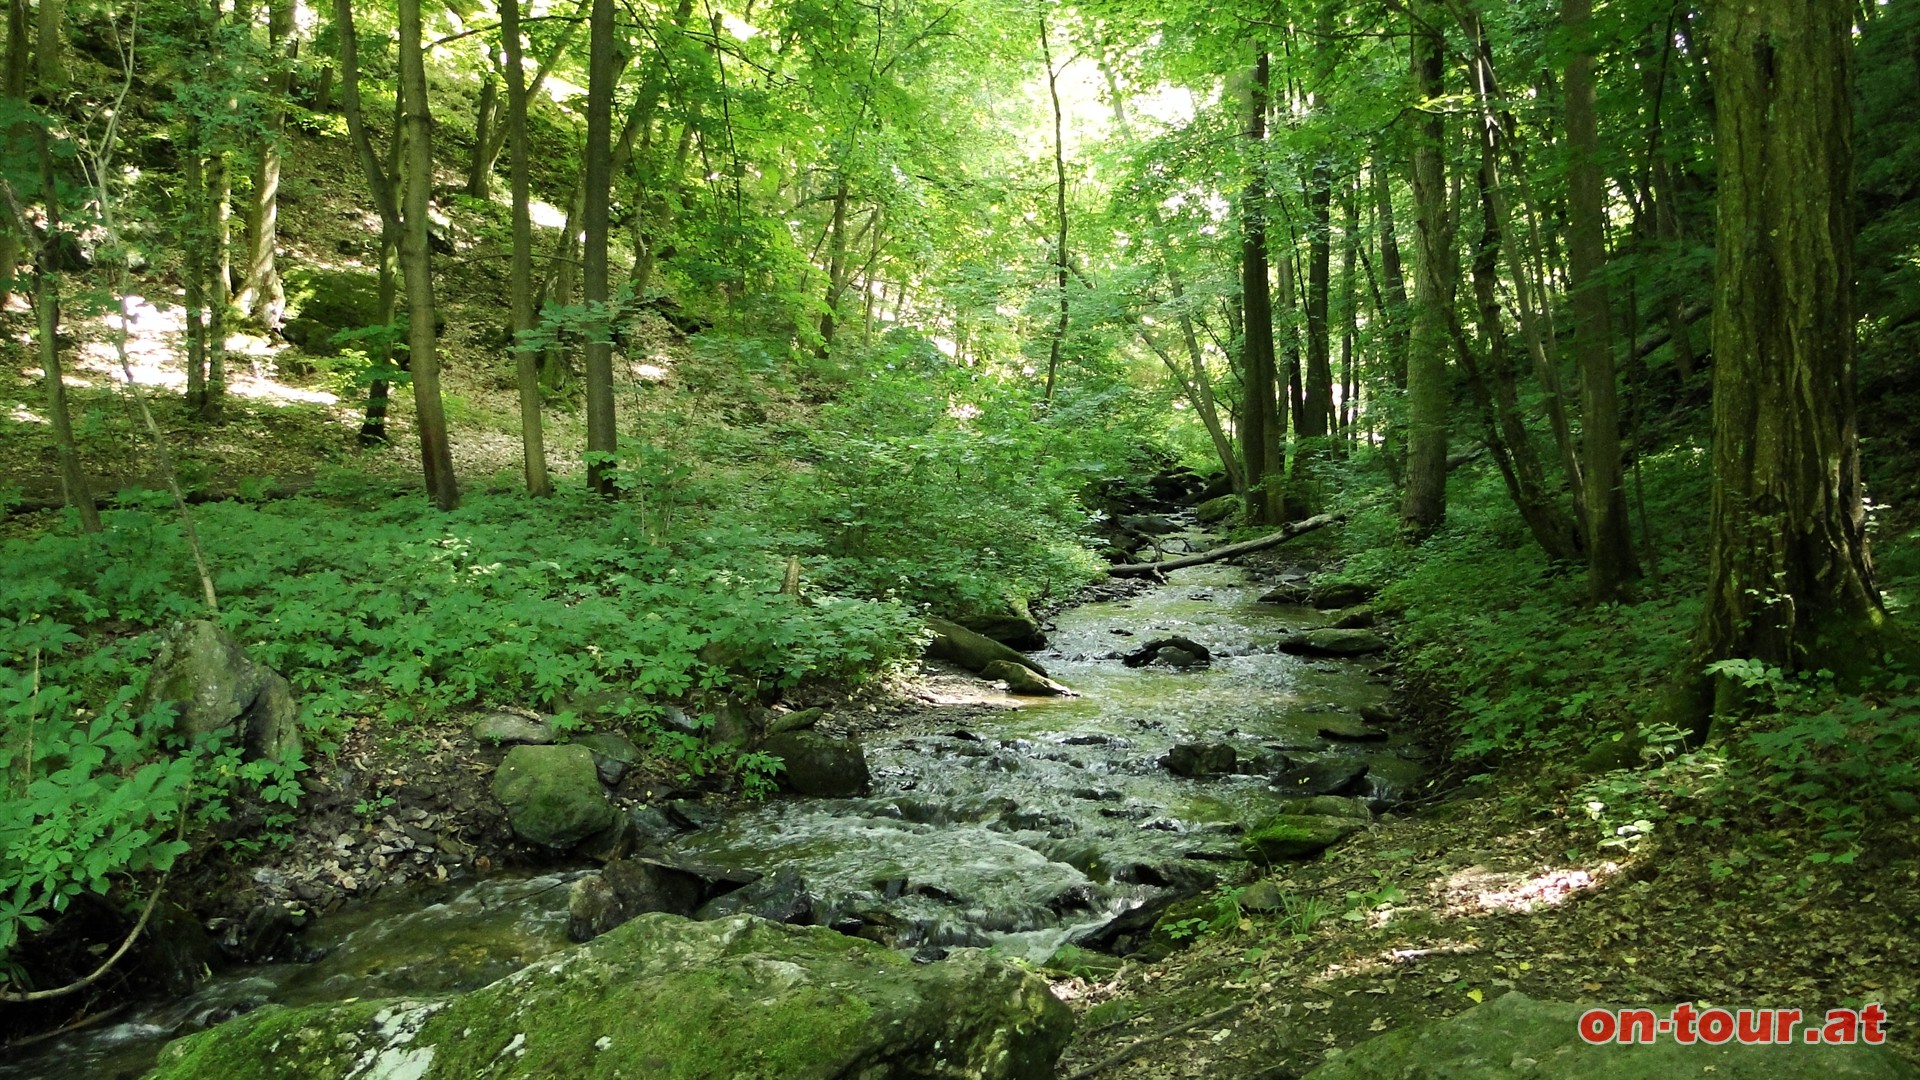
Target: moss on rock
669,999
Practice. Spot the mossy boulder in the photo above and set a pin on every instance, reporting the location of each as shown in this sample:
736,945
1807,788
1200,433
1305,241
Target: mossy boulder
1332,642
1296,836
215,690
970,650
817,764
553,795
1217,510
1515,1036
668,999
1341,594
1012,625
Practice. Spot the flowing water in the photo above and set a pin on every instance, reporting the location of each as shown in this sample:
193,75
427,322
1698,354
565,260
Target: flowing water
1017,832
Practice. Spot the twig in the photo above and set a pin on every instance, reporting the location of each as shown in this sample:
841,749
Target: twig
106,965
81,1024
1402,956
1133,1048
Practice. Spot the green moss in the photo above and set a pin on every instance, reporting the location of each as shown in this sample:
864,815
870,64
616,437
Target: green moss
1296,836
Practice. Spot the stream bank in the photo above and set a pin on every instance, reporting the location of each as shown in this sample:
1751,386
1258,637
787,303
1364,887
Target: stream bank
1012,823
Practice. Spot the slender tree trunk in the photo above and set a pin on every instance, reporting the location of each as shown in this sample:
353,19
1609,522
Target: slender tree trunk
260,294
836,264
1059,211
215,290
14,83
488,151
1317,421
480,168
1789,581
602,440
520,272
1261,426
1394,312
1610,562
1349,314
73,477
50,51
1435,271
416,265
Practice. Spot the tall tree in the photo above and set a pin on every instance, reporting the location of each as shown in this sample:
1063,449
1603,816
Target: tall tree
1435,273
50,33
1789,581
1610,561
416,266
46,302
1261,423
260,293
602,441
520,270
1059,209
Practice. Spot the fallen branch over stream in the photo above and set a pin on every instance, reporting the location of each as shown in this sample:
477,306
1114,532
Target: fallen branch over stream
1248,547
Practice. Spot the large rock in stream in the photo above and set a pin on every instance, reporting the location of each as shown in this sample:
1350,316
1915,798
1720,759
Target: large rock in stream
553,795
667,999
215,689
1514,1037
1332,642
815,764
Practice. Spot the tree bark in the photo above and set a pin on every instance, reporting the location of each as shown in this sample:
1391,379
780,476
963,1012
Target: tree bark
416,265
1261,425
1060,211
1435,270
1394,313
14,83
73,477
602,440
50,33
1610,562
520,271
261,294
480,168
1789,581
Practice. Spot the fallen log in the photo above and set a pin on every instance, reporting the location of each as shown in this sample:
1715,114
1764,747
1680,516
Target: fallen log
1247,547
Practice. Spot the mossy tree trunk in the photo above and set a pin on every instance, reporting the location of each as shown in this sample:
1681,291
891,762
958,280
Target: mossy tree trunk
1435,271
602,439
520,272
416,267
1610,563
1789,581
1261,425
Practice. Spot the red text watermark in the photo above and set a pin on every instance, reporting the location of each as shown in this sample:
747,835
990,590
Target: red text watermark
1750,1027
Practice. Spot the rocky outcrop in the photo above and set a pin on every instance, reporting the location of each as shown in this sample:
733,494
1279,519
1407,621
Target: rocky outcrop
216,690
815,764
1331,776
665,997
970,650
1515,1036
553,795
627,888
1217,509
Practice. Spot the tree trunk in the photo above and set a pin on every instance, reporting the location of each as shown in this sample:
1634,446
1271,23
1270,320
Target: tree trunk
1435,270
416,266
1789,581
46,301
480,168
1394,312
14,84
497,141
260,294
1349,316
214,289
836,264
1060,210
1261,426
1610,562
50,34
520,271
602,441
1317,421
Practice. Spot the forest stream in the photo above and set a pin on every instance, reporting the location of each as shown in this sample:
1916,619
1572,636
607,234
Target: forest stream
1021,831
